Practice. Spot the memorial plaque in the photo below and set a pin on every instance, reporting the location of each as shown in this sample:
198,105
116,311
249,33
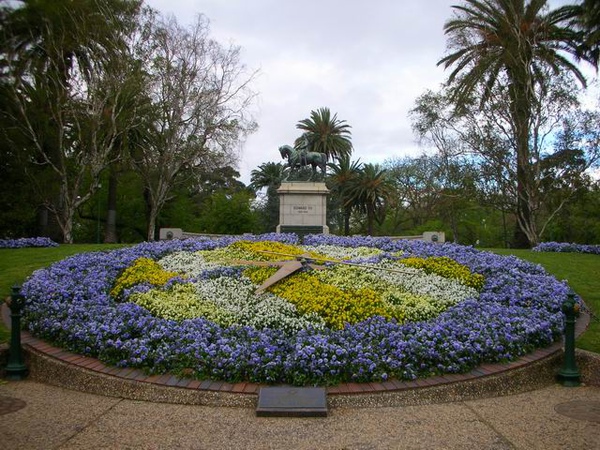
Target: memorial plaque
292,402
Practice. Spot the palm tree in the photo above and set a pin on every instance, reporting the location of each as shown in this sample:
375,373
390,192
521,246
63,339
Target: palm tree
370,191
325,134
586,18
344,173
269,175
516,42
56,35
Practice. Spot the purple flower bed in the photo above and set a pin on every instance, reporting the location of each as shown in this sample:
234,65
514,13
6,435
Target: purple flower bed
27,242
566,248
518,311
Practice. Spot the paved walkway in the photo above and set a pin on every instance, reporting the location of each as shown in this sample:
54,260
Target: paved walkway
59,418
450,412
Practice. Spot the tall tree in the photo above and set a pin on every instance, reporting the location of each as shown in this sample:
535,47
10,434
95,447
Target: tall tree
64,100
562,132
133,125
417,188
370,191
586,18
517,43
201,96
325,134
343,174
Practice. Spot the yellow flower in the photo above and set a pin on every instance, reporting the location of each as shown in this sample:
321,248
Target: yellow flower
142,269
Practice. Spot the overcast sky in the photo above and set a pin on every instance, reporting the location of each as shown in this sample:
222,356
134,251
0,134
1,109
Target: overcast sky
366,60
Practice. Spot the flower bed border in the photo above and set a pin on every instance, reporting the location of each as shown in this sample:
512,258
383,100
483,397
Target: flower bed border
58,367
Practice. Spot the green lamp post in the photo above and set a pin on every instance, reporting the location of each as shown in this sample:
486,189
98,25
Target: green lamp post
569,374
15,369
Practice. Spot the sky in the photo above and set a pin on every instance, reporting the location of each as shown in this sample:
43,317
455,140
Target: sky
365,60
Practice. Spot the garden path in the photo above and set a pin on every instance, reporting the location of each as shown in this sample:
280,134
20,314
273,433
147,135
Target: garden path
59,418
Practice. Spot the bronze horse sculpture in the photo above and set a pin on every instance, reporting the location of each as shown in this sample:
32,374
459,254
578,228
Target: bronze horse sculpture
300,158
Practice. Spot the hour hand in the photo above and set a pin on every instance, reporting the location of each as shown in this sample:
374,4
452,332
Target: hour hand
288,268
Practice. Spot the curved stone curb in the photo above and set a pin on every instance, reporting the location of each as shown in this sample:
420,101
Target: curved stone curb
588,364
55,366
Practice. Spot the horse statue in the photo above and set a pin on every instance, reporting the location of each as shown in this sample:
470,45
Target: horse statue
300,158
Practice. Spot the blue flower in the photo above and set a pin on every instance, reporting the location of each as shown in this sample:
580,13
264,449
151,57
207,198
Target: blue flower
27,242
566,247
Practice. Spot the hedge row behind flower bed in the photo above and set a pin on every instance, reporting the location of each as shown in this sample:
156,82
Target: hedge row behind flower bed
518,310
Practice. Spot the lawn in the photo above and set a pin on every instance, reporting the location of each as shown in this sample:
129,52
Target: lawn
579,269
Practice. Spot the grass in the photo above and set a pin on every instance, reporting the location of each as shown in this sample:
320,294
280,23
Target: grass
580,270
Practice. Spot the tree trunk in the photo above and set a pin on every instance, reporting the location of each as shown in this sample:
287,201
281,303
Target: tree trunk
151,215
48,225
66,224
504,230
110,231
370,220
520,239
521,101
347,214
152,226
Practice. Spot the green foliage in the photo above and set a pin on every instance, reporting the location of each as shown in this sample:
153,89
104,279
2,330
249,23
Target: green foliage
325,134
182,211
268,175
369,193
577,221
226,213
341,178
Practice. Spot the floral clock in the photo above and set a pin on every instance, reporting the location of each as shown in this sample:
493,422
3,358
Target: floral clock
267,309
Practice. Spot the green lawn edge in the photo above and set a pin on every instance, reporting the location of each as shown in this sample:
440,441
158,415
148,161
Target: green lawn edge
579,270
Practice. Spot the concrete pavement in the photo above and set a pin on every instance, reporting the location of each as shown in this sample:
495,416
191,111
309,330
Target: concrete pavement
60,418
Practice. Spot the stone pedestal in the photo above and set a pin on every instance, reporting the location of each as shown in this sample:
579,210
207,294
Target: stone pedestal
303,208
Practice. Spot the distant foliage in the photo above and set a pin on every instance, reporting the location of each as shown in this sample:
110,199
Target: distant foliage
27,242
565,247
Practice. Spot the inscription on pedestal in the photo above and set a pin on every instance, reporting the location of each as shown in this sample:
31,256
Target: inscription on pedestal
303,207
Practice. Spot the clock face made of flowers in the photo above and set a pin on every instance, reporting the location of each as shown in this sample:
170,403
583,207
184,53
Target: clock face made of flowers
298,284
400,309
304,261
286,268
